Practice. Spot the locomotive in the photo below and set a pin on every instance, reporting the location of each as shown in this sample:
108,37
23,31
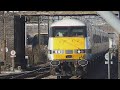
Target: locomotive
73,44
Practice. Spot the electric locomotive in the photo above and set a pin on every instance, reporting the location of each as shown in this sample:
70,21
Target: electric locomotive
73,44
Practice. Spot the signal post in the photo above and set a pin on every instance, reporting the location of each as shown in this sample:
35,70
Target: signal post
13,55
119,58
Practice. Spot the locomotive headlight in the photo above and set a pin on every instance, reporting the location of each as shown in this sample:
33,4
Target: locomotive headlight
78,51
58,51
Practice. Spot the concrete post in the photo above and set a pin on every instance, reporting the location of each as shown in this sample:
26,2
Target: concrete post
13,64
119,58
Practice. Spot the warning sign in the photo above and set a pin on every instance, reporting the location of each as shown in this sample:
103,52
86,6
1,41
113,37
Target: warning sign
13,52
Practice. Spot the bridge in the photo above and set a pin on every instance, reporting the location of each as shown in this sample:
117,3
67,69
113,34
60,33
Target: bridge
53,13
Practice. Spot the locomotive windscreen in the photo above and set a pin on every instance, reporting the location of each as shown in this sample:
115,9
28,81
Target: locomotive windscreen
68,31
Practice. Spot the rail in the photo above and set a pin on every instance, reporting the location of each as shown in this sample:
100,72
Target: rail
33,73
37,73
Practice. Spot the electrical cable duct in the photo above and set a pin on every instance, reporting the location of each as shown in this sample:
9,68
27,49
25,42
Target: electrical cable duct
111,19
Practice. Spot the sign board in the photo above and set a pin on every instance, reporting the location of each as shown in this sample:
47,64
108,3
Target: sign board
111,62
13,52
6,49
26,57
106,62
107,56
13,56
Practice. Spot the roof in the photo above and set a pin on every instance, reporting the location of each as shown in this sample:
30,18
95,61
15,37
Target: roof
49,13
52,12
68,22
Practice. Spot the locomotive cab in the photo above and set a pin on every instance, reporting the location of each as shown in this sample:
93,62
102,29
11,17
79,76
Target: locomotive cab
66,46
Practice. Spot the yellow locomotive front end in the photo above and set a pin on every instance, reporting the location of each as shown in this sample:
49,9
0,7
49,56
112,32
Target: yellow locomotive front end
69,48
67,45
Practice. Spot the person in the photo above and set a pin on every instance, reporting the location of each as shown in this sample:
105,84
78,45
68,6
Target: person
59,34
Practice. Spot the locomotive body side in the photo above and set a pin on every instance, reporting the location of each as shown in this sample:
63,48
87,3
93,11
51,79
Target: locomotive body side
97,42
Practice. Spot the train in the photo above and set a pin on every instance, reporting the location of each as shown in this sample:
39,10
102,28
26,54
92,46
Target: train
73,44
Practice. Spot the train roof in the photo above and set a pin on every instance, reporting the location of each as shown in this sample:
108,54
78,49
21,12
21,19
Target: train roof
68,22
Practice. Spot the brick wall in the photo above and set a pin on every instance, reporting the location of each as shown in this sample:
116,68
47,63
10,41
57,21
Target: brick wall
9,28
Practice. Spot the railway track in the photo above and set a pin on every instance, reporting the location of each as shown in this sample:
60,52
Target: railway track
40,75
9,76
34,74
55,77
